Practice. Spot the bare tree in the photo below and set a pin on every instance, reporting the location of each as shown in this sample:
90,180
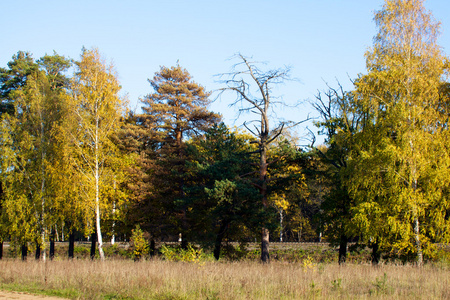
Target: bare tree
246,78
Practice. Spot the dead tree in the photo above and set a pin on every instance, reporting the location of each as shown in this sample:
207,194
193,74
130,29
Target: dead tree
246,78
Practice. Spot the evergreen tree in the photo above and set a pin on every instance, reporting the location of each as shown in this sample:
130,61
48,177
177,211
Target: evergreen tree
178,111
15,77
220,202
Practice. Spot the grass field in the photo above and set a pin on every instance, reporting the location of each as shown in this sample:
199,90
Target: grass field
158,279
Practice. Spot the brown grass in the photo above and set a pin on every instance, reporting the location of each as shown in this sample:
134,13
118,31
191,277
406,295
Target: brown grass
157,279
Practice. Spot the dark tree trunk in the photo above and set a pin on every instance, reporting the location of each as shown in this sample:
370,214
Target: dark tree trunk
1,250
219,237
375,254
265,246
52,244
263,191
24,251
37,256
93,242
152,248
71,243
343,249
184,242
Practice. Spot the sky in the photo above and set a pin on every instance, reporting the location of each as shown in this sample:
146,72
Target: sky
322,41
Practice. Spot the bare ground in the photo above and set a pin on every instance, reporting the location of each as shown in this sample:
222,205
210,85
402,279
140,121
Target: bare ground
25,296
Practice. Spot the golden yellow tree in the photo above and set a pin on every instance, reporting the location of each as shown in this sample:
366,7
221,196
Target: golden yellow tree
30,147
97,111
403,150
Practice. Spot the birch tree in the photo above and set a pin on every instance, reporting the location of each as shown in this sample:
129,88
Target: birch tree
29,149
403,149
97,111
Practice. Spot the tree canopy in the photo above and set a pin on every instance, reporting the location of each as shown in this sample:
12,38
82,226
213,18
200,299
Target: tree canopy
76,161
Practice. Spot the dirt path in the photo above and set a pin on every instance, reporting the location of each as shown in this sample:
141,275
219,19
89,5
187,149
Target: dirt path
24,296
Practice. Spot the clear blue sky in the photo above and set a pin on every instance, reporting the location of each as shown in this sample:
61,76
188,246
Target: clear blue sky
322,40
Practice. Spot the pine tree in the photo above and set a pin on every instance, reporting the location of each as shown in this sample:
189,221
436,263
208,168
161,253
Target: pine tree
15,77
177,110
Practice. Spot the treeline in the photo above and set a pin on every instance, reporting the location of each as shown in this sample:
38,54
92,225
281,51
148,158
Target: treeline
75,160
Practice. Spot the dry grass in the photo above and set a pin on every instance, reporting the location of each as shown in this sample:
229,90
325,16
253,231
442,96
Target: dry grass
124,279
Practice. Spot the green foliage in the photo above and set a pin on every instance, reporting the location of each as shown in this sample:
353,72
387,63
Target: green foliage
381,286
218,196
81,251
336,284
191,254
231,253
119,251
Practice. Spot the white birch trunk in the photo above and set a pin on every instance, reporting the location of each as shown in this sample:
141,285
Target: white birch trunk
113,237
97,196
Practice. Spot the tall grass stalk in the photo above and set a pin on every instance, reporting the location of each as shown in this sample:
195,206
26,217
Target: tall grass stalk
157,279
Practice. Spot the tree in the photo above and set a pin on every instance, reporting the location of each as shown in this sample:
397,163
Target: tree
12,79
30,148
138,138
97,111
178,110
220,203
261,105
400,201
15,77
341,121
287,189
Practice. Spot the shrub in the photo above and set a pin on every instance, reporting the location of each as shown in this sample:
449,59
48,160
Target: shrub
138,243
190,254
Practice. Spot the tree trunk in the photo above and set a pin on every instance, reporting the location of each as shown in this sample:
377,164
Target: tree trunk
375,254
52,243
1,250
152,248
219,237
265,246
263,191
113,226
93,242
281,225
37,255
343,249
97,193
71,243
184,240
24,251
417,240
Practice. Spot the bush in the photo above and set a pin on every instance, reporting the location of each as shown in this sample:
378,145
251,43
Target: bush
229,252
138,243
190,254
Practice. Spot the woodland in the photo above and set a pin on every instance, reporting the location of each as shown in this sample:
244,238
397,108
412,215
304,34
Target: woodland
77,163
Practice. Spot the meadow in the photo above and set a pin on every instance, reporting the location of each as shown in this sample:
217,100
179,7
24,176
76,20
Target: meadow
157,278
